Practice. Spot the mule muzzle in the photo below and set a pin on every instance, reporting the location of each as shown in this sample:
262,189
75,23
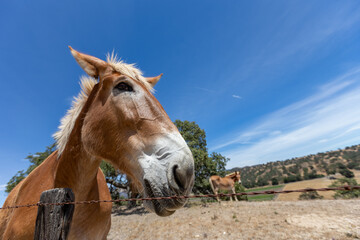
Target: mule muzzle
168,178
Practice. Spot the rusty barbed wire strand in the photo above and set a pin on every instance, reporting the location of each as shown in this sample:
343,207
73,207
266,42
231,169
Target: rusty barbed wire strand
340,188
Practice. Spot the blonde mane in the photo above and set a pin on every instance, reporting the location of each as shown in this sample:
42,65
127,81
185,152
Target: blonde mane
87,84
230,174
127,69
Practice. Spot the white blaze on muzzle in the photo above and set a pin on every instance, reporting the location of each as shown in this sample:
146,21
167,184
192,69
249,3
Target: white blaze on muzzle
169,170
168,149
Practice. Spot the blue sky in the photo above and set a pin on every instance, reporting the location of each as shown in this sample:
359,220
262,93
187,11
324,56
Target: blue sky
267,80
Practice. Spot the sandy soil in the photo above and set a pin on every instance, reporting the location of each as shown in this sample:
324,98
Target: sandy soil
320,219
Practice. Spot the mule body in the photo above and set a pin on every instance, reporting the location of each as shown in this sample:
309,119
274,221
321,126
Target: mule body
118,120
92,221
226,183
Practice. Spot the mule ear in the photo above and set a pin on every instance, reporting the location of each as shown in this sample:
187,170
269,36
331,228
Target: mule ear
153,80
93,66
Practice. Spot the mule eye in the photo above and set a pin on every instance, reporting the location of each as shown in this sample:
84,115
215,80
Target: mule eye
124,87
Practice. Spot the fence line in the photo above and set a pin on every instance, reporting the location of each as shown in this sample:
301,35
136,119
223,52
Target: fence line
341,188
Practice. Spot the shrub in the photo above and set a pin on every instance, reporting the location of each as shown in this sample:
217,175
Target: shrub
274,181
330,171
238,189
346,173
262,182
341,166
310,196
290,178
344,193
352,165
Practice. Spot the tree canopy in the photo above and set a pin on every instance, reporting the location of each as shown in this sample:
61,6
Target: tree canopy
205,165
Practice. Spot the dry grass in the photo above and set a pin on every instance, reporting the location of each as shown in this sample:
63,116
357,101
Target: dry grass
314,183
320,219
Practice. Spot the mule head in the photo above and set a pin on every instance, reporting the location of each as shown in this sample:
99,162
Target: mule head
237,177
127,126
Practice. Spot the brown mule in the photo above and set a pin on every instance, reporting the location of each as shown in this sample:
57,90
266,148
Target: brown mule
116,119
226,183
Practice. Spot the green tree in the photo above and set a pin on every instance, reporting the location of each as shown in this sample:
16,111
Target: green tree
205,165
194,136
115,179
344,193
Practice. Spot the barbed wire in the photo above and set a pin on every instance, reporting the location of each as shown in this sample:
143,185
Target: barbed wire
340,188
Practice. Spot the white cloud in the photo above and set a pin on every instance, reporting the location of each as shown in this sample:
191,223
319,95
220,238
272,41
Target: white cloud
236,96
327,120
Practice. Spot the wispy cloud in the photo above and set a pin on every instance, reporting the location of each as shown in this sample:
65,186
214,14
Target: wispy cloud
236,96
309,36
298,40
328,119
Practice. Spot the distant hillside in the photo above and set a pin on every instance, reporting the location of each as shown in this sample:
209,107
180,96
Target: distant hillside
302,168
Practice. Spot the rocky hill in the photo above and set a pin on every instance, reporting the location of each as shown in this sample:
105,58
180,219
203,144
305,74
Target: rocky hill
302,168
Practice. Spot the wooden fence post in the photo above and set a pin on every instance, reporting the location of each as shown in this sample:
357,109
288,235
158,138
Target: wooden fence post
53,221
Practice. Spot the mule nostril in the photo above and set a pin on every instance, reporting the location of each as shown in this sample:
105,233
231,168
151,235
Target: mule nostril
182,178
178,178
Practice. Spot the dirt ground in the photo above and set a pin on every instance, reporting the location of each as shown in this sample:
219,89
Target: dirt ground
320,219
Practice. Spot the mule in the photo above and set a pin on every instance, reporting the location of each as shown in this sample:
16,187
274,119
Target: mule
114,118
226,183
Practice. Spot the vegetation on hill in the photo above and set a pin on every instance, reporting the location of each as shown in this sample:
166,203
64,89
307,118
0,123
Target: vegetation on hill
302,168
